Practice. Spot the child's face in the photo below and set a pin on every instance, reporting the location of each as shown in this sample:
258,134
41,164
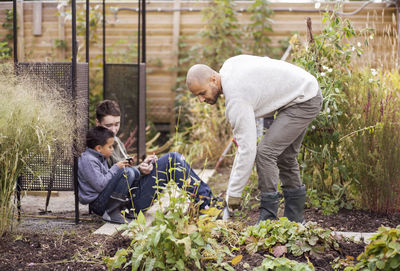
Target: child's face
111,123
106,149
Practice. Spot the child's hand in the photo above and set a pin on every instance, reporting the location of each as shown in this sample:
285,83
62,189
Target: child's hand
123,164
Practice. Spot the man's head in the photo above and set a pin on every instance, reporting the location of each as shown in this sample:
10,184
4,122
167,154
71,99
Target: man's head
100,139
204,82
108,115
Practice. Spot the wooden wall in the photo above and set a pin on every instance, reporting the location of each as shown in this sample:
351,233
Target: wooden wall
164,26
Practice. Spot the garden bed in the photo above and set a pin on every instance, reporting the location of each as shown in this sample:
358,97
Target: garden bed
42,244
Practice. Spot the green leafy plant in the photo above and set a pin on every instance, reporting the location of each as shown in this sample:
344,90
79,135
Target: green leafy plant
328,58
383,252
282,264
260,28
5,49
174,241
34,120
296,238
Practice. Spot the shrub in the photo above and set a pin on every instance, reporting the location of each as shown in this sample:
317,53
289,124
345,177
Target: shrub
34,120
328,58
373,146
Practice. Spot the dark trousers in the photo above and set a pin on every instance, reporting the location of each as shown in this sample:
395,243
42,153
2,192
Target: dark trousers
144,191
170,166
119,184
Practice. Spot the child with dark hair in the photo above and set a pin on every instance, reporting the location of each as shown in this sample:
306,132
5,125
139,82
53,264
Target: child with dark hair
154,172
104,189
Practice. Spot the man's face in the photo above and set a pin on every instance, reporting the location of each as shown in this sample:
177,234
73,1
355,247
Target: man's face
208,92
111,123
106,149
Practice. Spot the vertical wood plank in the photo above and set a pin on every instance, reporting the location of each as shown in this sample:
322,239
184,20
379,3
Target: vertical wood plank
21,34
176,29
37,18
61,29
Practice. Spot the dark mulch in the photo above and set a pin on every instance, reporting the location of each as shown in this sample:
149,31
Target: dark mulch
71,249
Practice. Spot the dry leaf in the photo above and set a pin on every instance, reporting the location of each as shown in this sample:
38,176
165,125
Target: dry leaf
279,251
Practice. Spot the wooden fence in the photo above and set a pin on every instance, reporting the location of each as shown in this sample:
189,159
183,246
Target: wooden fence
43,39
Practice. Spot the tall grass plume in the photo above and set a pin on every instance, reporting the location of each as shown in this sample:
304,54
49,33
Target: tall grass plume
35,119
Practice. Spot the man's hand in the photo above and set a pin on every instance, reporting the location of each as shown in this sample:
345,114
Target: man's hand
234,203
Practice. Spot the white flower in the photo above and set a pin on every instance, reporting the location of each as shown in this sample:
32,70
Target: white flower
374,72
371,37
313,127
328,110
330,70
370,80
353,48
325,67
323,74
329,116
317,5
359,44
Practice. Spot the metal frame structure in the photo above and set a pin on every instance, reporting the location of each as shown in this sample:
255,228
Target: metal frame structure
60,174
139,68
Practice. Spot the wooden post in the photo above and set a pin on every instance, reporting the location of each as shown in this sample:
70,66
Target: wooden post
61,30
21,34
37,19
176,29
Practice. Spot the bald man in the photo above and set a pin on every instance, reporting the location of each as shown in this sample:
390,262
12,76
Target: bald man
256,87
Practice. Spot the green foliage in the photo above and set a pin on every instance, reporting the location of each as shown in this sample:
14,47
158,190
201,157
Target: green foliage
34,120
60,44
372,145
282,264
221,33
328,58
5,49
383,252
260,28
174,241
297,238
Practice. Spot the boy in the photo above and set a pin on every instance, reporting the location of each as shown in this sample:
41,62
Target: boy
104,189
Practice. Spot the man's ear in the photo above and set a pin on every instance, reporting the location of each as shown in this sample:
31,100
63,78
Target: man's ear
97,122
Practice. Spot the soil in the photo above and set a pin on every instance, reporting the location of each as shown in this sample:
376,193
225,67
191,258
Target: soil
54,244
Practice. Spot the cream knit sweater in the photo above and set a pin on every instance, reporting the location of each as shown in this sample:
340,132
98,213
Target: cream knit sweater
256,87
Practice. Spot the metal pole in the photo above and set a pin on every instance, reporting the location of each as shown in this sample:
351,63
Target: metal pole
74,52
15,29
138,41
143,31
87,31
104,48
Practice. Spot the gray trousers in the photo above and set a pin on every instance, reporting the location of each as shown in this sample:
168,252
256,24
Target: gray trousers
278,149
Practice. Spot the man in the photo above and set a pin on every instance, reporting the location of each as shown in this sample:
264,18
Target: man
256,87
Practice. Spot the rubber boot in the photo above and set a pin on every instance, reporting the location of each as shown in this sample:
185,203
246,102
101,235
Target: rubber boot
294,203
269,206
113,212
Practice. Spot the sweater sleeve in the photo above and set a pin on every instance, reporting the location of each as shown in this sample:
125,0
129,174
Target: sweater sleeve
242,120
94,176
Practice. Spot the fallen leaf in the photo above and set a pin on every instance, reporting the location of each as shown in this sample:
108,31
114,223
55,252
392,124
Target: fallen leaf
279,251
237,259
